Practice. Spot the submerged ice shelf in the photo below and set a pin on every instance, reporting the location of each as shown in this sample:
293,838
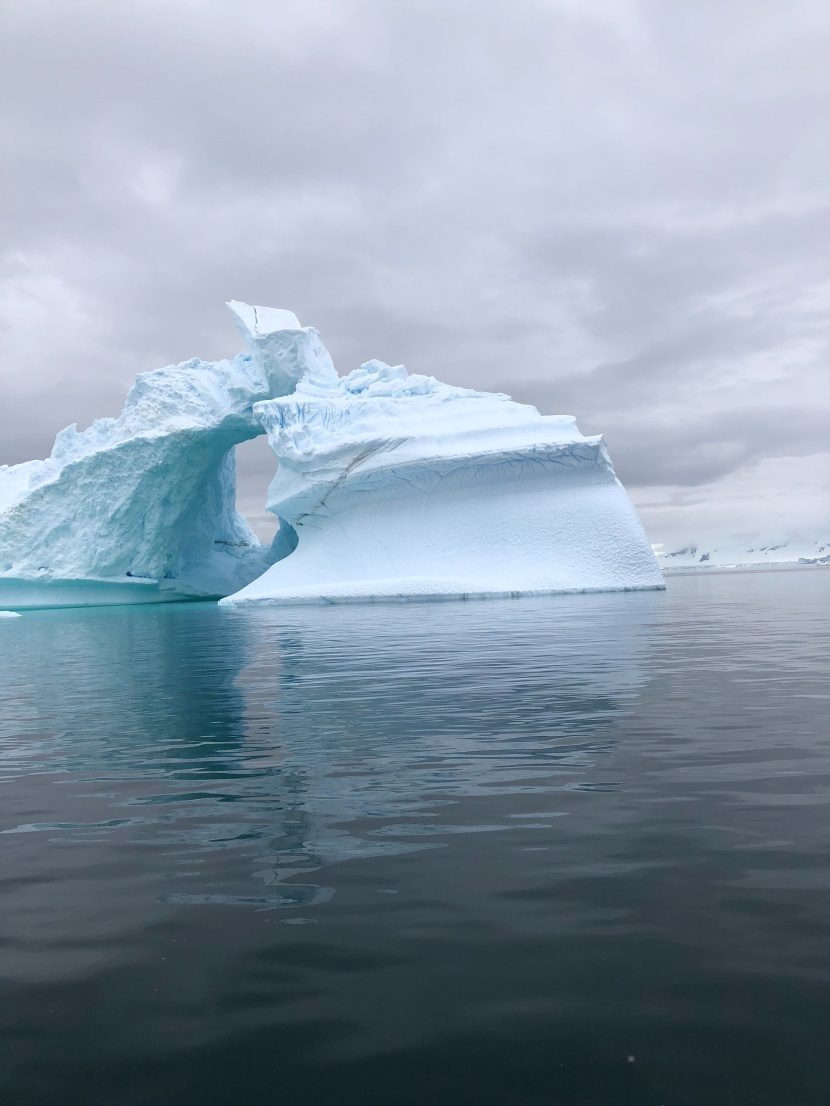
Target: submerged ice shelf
390,485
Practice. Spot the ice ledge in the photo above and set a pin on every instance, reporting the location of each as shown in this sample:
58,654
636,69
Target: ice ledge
412,591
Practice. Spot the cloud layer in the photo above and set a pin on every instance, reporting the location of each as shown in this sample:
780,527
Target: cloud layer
610,208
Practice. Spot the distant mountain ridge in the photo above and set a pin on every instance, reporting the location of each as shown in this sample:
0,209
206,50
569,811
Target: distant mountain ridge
737,554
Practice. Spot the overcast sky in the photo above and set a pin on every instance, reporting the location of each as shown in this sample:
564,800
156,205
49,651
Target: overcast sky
609,208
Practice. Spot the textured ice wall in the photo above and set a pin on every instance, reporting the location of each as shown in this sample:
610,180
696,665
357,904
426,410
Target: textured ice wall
398,486
141,508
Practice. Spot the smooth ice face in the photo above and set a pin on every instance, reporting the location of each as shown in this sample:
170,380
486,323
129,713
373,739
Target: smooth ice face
142,507
399,486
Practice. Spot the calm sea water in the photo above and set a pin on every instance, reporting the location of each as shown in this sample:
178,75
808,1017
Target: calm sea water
560,851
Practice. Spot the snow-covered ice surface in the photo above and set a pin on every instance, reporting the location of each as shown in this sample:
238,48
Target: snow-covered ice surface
141,508
757,552
400,487
390,486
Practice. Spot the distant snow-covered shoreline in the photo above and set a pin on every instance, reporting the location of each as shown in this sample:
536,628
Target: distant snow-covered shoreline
739,552
717,569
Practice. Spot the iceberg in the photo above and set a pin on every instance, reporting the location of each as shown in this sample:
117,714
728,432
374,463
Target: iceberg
390,485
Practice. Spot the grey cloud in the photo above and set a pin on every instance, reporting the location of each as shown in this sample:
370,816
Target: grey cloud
655,445
614,208
698,452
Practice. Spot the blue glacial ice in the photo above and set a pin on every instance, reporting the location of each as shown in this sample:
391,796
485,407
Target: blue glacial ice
389,485
141,508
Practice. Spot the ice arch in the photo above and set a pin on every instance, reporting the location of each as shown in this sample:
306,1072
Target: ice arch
142,508
390,485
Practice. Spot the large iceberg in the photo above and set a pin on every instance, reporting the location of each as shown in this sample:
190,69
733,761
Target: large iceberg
389,485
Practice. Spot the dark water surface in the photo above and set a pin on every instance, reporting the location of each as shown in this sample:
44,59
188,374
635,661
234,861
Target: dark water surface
560,851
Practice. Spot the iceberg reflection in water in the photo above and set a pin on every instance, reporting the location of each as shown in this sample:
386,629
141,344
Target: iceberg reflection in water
299,738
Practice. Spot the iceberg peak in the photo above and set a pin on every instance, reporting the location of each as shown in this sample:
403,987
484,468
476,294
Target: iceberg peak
259,322
290,355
